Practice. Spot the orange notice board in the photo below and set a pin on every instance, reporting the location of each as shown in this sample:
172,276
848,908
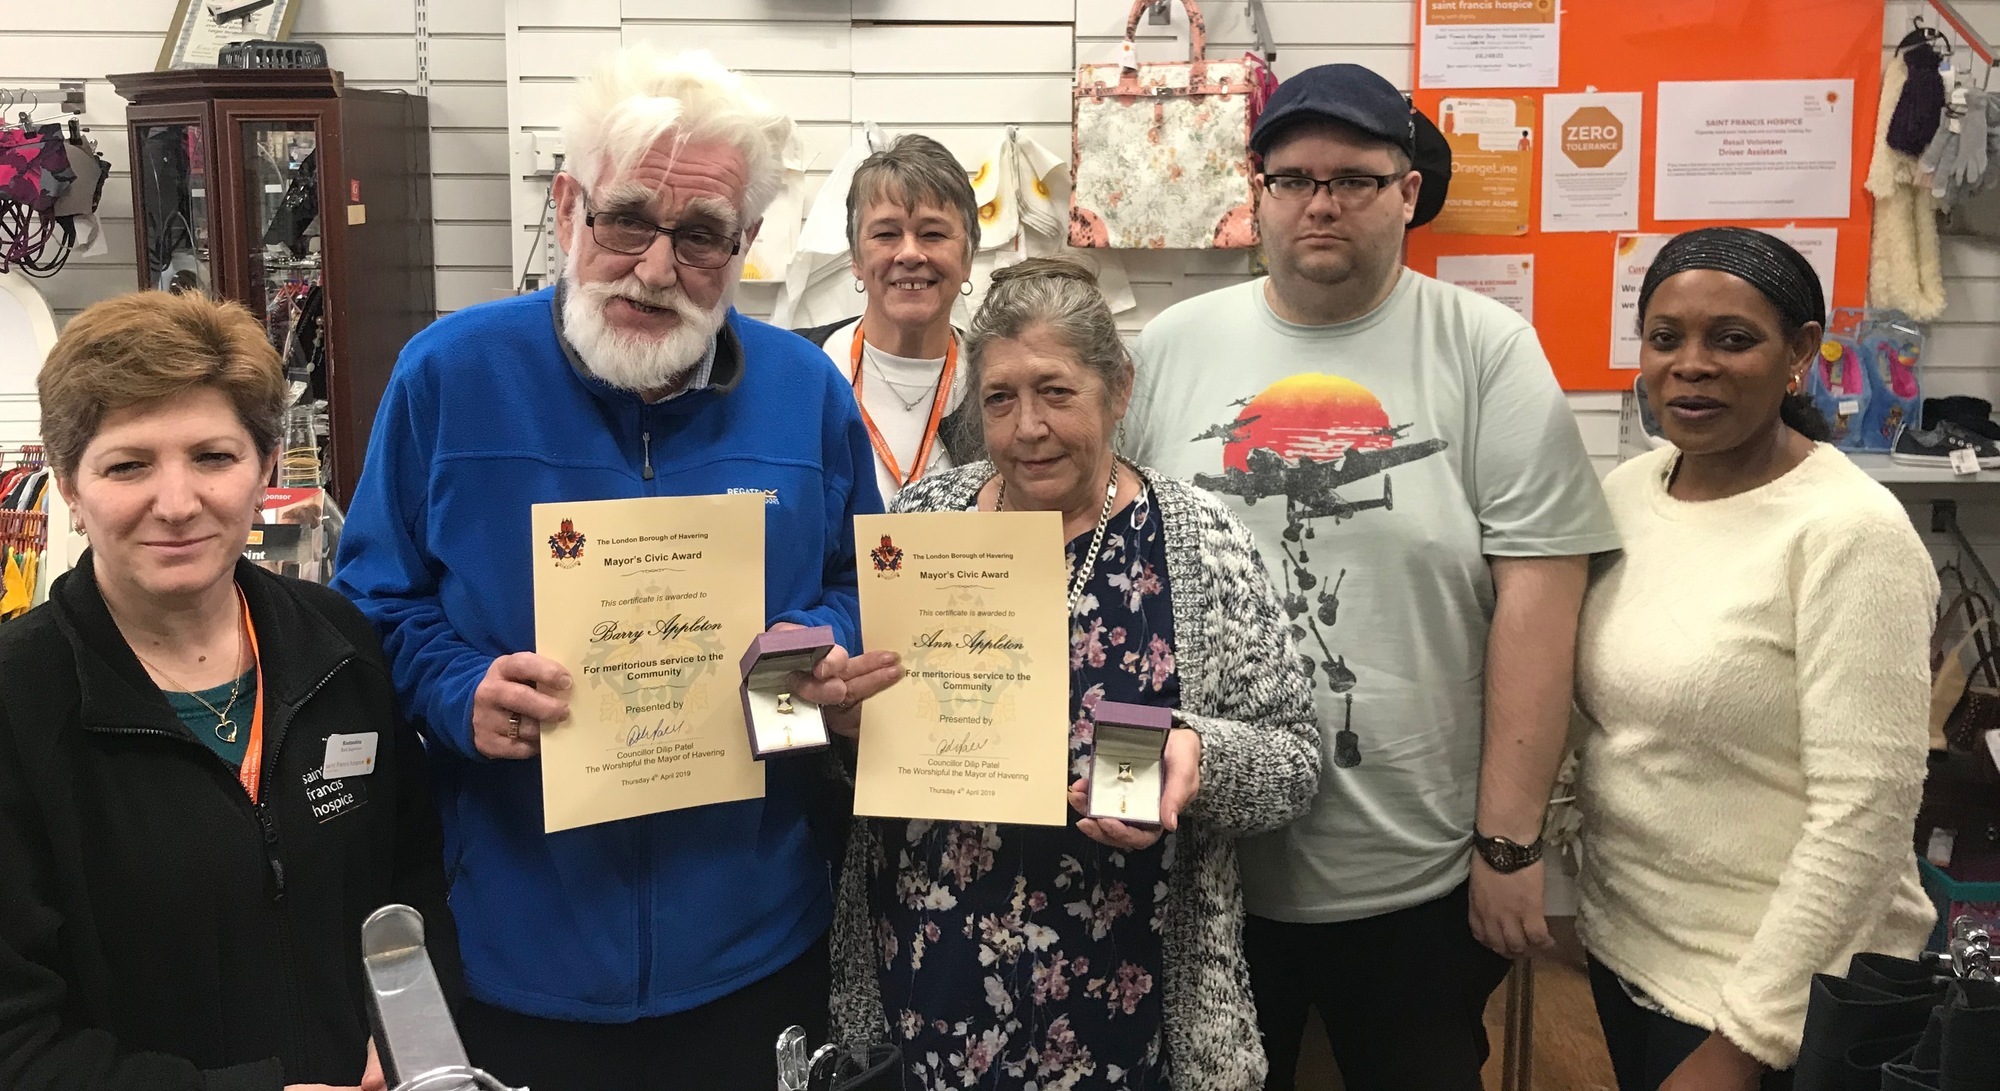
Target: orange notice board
1634,46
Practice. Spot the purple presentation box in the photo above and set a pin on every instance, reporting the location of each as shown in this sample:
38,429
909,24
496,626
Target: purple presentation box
1130,740
767,671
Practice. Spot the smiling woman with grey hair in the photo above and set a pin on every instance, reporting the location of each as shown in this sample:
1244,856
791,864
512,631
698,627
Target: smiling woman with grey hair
1097,955
912,230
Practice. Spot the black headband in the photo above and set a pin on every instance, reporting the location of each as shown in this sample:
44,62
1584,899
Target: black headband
1769,263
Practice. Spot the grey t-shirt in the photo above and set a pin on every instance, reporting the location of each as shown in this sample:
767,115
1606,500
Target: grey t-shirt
1380,462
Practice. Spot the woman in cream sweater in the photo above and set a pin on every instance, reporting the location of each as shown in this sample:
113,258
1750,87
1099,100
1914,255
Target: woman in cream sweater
1754,669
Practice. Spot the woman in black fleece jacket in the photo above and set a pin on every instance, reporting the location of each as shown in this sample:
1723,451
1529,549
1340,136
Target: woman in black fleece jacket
181,887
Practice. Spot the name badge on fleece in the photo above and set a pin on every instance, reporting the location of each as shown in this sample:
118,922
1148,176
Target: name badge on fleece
349,755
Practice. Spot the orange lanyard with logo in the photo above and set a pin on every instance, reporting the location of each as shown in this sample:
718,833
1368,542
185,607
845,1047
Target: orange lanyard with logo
938,401
253,753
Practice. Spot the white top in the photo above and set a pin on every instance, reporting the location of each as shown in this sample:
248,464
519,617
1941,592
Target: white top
1755,675
902,424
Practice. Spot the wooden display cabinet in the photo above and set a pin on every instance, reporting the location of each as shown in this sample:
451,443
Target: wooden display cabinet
259,186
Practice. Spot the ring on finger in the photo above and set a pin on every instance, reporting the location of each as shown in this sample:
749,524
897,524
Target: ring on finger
514,726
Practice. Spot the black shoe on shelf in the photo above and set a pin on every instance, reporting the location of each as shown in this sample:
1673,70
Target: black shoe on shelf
1933,446
1975,415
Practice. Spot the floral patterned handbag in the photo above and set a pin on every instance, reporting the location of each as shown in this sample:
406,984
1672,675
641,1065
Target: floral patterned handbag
1161,151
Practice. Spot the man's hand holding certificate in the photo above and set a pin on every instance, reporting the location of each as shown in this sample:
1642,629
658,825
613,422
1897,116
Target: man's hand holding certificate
978,729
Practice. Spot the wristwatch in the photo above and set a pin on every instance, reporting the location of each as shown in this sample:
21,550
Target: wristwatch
1504,856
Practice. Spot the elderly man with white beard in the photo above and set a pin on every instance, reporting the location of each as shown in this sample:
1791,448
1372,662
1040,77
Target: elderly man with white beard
668,950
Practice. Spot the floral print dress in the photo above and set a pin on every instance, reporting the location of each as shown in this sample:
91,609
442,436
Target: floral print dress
1030,957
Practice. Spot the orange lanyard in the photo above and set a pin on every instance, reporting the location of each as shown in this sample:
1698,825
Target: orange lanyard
938,401
253,753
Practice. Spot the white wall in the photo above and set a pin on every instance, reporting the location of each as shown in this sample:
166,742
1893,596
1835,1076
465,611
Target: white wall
375,42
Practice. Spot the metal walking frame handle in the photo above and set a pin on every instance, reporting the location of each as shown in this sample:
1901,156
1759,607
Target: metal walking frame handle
454,1078
414,1035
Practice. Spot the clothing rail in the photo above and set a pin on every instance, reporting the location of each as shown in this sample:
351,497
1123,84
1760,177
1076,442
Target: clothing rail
66,93
1970,956
24,529
1962,29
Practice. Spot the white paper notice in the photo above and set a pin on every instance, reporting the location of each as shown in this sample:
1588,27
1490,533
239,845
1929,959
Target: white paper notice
1504,278
1590,161
1754,150
1819,245
1632,256
1489,43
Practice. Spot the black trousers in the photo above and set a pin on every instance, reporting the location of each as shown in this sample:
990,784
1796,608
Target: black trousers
1403,995
1647,1046
728,1043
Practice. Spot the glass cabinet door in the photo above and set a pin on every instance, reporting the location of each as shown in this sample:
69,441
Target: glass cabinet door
281,220
173,189
281,193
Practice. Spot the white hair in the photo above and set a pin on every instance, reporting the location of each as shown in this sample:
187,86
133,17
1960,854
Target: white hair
637,94
636,363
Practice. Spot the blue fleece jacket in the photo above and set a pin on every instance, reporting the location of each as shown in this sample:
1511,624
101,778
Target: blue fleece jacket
486,414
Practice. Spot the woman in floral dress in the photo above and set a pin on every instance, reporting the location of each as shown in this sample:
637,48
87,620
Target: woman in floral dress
1098,955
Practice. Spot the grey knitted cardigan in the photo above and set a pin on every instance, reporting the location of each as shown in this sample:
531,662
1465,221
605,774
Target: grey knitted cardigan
1243,690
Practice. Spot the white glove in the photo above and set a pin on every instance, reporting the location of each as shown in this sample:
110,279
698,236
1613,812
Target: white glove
1937,161
1969,167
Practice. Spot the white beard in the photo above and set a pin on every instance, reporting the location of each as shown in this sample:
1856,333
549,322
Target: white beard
636,362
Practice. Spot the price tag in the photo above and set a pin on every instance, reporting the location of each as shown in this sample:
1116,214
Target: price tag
1964,461
1850,407
1128,56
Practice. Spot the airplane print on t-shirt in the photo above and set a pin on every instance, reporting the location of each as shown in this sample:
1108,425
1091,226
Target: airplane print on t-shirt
1311,439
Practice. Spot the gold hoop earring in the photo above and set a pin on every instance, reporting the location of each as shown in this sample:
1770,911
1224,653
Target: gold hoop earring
965,288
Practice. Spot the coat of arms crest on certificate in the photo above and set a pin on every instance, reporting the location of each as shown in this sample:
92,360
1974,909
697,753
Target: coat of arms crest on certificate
566,545
888,559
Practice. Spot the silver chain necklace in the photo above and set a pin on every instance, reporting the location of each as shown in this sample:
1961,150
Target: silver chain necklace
225,728
1088,562
929,393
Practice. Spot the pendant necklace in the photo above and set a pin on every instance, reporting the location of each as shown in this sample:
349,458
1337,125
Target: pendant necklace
1088,562
225,728
909,406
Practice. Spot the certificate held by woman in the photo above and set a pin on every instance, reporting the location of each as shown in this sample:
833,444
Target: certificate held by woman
649,603
973,603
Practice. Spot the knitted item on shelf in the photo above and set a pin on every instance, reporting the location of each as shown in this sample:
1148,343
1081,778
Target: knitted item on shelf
1914,118
1904,272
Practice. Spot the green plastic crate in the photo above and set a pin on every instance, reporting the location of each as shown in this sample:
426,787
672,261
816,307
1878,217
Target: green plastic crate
1947,893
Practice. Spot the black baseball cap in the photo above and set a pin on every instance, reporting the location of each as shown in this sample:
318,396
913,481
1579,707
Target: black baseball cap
1341,92
1362,98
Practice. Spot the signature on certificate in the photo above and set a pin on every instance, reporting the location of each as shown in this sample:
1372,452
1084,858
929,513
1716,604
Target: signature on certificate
638,734
961,744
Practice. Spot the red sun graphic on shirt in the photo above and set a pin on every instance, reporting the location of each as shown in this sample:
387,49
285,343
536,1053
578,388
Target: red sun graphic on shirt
1312,415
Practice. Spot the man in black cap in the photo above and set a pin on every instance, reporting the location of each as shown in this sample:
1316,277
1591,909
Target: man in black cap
1438,617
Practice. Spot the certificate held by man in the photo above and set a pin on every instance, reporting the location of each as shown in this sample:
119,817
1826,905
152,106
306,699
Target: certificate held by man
648,603
978,731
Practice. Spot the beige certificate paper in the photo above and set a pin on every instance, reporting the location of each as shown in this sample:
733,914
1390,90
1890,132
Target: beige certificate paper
978,729
649,603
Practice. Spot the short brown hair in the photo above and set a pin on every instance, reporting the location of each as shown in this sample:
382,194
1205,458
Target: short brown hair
911,171
149,347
